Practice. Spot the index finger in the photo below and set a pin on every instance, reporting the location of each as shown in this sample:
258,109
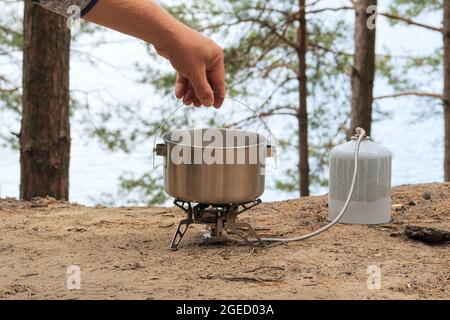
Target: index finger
181,86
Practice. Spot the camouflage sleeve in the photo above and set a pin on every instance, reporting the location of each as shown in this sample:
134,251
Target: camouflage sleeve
61,6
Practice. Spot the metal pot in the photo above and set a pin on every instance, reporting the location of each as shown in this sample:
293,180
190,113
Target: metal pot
201,173
214,166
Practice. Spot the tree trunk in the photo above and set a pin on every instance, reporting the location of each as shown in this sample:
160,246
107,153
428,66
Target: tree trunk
363,73
45,133
303,148
447,88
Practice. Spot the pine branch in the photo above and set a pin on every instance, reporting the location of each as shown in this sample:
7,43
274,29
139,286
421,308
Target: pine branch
274,91
411,93
2,90
329,9
272,112
273,30
277,65
10,31
268,9
411,22
337,52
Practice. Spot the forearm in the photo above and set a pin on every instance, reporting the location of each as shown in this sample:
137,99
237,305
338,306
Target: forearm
197,59
142,19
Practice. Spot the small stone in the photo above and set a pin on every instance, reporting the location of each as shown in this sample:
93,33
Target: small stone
426,195
411,203
399,208
76,229
396,234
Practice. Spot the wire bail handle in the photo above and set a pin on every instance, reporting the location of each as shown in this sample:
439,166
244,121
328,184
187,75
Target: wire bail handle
271,142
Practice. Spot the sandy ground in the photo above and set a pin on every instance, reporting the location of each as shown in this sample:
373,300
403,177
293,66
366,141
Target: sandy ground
123,253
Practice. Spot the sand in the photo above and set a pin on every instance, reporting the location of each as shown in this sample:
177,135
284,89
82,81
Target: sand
123,253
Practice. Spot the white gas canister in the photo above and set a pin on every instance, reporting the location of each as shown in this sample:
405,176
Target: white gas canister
371,200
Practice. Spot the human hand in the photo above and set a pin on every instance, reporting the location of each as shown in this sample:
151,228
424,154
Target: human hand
197,59
200,68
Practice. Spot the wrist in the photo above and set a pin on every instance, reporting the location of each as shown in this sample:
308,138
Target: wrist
170,36
162,30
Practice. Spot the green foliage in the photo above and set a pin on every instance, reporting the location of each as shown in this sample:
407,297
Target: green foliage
290,183
406,73
415,73
10,85
414,8
395,72
144,187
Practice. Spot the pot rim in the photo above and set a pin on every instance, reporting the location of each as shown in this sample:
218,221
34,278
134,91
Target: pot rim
214,147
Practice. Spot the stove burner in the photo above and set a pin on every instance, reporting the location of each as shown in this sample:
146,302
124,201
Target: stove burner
220,219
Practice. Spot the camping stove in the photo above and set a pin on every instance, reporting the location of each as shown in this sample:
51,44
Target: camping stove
220,220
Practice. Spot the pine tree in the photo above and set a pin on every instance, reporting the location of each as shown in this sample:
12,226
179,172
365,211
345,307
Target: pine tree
45,130
363,73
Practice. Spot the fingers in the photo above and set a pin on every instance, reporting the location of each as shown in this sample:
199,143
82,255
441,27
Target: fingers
184,90
189,97
217,79
181,86
202,88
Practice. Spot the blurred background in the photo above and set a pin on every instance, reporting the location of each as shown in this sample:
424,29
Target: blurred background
121,91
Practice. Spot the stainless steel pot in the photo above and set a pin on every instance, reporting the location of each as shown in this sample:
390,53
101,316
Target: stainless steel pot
231,175
226,167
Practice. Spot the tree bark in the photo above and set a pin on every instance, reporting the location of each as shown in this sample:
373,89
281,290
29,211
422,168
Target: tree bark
363,73
447,88
45,133
303,147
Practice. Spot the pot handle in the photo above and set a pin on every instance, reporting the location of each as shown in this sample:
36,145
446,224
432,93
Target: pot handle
158,149
271,148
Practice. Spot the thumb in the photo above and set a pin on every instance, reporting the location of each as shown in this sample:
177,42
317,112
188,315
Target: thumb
202,88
